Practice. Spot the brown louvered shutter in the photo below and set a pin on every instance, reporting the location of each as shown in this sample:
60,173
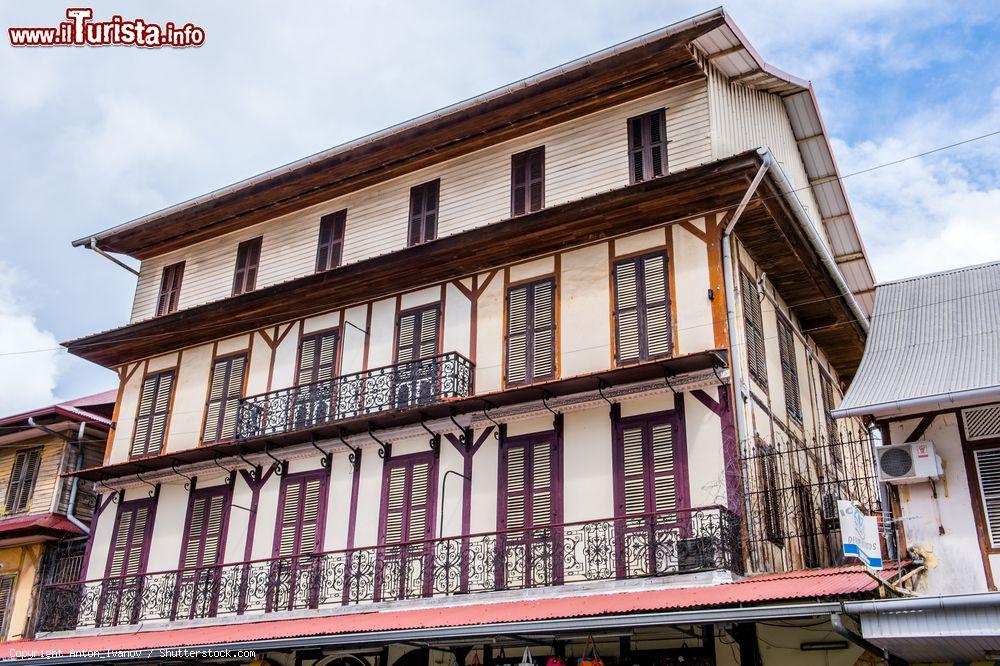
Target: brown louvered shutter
203,540
527,181
170,289
417,335
329,250
789,370
6,601
224,395
247,262
317,357
649,474
154,411
531,326
299,528
423,213
130,547
831,423
754,325
642,309
529,472
22,480
407,514
647,140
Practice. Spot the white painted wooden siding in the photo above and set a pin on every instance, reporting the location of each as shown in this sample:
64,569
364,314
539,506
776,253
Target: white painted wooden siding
744,119
583,157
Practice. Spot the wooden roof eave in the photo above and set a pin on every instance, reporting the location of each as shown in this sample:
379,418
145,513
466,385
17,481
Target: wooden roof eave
686,194
527,107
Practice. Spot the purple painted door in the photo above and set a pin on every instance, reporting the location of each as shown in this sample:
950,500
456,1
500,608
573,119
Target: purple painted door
650,460
530,504
406,521
202,551
121,597
298,538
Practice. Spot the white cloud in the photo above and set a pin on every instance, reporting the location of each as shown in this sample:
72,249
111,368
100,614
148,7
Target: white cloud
27,381
932,213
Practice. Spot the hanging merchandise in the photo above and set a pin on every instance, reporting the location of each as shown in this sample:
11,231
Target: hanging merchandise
555,660
526,659
475,660
590,655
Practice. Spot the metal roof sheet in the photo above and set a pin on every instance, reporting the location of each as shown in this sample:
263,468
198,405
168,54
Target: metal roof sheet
934,339
800,585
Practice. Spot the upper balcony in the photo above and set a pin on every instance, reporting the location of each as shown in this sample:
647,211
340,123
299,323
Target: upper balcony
402,387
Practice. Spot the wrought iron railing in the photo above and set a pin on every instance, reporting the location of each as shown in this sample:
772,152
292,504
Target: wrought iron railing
391,387
682,541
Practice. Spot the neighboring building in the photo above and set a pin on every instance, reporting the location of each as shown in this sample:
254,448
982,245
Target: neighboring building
559,360
45,517
930,381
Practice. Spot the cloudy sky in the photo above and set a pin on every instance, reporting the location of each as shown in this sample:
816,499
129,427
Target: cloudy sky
91,137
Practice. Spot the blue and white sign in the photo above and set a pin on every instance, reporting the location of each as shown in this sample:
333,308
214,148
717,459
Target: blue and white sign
859,534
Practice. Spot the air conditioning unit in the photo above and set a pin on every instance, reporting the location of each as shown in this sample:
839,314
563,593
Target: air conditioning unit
911,462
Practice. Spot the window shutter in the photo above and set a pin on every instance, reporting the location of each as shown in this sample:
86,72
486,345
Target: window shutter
406,513
418,334
831,423
154,411
170,288
423,213
530,482
789,370
753,322
988,468
224,394
541,483
642,309
22,480
247,262
6,600
131,542
647,137
527,181
648,471
318,357
531,327
299,528
329,250
516,486
517,335
289,520
204,535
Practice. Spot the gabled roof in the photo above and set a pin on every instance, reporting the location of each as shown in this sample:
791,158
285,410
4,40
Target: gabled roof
665,57
934,342
95,409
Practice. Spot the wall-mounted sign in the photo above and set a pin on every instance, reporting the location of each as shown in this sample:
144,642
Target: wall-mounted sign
859,534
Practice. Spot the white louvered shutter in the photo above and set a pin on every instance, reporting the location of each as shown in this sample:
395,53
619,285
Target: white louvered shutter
648,469
154,412
988,469
627,311
541,483
642,309
395,511
663,474
528,465
407,513
543,329
418,334
317,358
517,335
299,526
516,486
204,535
289,518
656,306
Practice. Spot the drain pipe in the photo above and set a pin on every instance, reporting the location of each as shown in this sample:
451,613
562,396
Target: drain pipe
729,282
92,245
74,489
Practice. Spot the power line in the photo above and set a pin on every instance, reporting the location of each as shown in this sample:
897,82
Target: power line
376,240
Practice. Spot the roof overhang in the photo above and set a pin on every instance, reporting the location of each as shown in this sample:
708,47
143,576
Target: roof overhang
923,404
38,527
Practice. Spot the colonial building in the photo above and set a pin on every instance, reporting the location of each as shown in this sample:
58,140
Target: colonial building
45,517
559,360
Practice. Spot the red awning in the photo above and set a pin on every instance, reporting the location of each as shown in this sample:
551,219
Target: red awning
815,585
44,524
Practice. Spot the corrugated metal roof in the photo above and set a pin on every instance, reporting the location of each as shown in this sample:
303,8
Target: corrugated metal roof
934,338
801,585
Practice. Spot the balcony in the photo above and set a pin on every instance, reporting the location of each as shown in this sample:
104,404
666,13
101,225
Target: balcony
405,386
641,546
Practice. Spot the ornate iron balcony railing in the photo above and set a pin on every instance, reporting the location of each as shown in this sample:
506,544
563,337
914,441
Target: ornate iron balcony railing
400,386
681,541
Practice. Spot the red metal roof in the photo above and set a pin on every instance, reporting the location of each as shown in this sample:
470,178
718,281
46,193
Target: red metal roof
43,523
88,408
802,585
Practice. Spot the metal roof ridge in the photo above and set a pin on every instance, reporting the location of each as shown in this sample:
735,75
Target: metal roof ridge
948,271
